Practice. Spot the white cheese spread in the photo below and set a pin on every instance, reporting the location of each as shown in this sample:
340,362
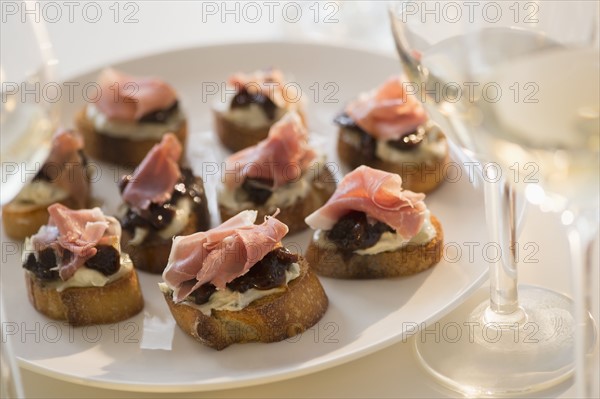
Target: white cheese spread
282,197
180,220
251,116
389,241
86,277
433,147
41,192
234,301
133,130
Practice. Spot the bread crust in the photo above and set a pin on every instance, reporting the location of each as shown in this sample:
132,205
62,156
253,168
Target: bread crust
21,221
237,137
119,150
269,319
322,187
410,259
81,306
153,253
420,178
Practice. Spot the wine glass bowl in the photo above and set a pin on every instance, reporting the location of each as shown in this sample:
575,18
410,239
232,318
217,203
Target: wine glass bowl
28,109
516,88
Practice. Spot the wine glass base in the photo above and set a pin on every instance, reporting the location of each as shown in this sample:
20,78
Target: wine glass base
478,358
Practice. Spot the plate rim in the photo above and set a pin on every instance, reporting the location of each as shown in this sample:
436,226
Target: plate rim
254,381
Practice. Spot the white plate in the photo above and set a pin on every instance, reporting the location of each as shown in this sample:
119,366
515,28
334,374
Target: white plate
149,353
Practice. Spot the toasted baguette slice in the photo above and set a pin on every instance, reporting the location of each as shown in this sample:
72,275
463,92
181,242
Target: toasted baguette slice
114,302
411,259
152,254
418,177
119,150
21,220
322,187
236,137
268,319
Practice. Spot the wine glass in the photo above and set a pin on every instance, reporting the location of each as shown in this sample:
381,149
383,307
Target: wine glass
27,119
29,108
10,378
561,135
462,57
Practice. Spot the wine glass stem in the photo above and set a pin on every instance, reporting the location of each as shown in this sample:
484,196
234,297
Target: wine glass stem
504,295
582,246
502,218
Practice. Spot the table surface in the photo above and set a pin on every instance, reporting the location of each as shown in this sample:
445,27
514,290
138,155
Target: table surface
80,45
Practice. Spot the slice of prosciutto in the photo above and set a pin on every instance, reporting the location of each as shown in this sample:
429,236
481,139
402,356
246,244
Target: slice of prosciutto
65,166
377,193
269,82
222,254
153,180
282,157
77,231
388,112
128,98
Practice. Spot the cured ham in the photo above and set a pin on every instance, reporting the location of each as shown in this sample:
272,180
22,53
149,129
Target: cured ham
154,178
268,82
388,112
65,166
45,236
128,98
281,158
77,231
222,254
377,193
